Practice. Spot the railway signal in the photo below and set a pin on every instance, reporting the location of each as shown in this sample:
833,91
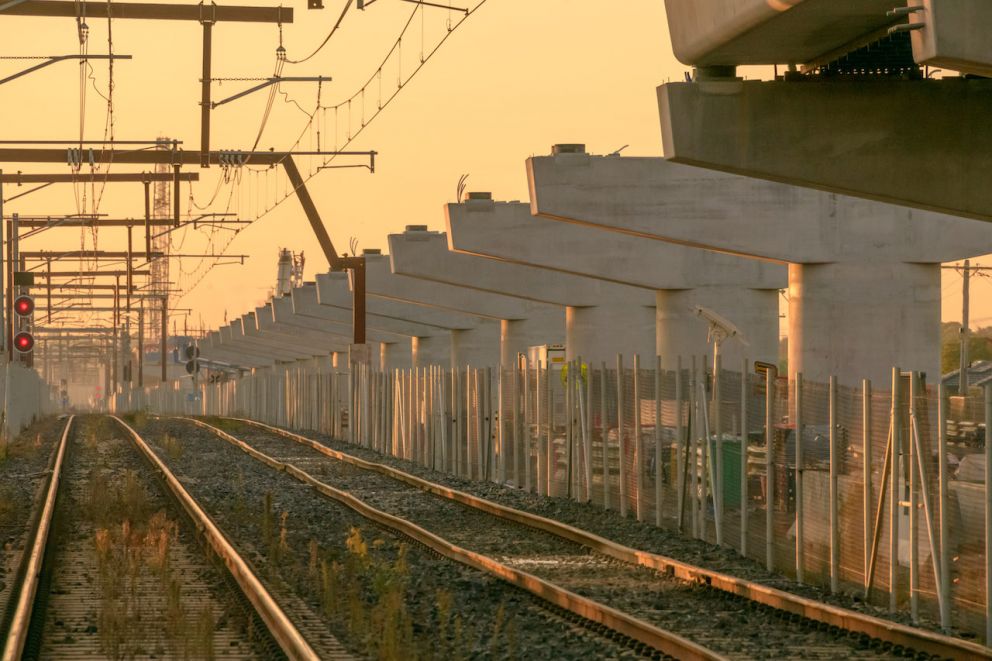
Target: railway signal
192,362
23,314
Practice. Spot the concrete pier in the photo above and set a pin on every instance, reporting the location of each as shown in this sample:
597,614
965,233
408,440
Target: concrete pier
865,274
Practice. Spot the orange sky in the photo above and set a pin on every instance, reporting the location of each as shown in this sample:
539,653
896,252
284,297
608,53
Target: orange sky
516,78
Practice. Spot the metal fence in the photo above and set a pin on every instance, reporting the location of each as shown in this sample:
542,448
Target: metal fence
823,483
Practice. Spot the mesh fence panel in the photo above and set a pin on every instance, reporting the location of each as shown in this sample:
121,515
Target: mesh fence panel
810,478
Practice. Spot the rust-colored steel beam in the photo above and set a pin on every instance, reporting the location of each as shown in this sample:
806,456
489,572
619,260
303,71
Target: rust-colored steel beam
110,177
151,11
88,274
161,156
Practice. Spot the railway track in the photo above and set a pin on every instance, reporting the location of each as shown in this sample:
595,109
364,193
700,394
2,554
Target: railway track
722,614
547,621
122,563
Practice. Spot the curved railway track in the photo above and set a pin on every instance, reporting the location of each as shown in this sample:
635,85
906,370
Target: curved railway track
122,562
742,619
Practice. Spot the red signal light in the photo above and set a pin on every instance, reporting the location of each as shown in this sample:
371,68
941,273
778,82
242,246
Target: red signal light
24,306
24,342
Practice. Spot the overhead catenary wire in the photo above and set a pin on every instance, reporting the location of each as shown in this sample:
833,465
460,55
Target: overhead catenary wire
263,209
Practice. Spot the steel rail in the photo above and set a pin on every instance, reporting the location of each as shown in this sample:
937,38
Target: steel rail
20,623
631,627
885,630
285,633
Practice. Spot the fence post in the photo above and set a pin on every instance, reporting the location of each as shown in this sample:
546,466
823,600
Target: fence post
603,436
988,514
587,439
539,454
693,451
894,491
945,556
866,501
526,445
658,472
549,462
569,387
744,439
800,499
914,566
638,443
834,494
770,375
620,437
718,485
680,446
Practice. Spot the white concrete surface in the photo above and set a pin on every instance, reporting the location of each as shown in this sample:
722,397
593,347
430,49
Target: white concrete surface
746,291
879,253
729,32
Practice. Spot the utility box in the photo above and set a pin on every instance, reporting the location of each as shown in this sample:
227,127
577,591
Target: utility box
547,355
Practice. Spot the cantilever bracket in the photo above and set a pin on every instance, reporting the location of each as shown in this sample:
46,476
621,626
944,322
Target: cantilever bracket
61,58
268,82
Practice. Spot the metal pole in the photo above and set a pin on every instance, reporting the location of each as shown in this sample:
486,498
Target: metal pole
4,338
549,463
866,501
205,96
658,473
894,439
800,518
525,427
834,494
165,338
569,427
988,514
744,439
914,566
680,444
718,440
769,469
620,437
603,436
945,556
588,440
965,331
638,442
693,451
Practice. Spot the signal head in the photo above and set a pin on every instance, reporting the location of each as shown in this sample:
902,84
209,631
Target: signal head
24,342
24,306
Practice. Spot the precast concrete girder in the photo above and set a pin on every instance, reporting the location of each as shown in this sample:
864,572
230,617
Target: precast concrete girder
304,300
432,349
732,32
309,345
861,272
478,346
316,343
425,255
602,318
232,336
682,279
395,354
391,348
211,348
923,143
282,313
333,290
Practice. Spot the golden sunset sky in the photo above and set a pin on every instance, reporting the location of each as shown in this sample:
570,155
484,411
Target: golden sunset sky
515,78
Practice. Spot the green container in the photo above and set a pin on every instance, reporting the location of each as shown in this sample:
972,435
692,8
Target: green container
731,470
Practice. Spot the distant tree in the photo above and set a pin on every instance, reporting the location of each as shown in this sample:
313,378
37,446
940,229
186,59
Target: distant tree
979,346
